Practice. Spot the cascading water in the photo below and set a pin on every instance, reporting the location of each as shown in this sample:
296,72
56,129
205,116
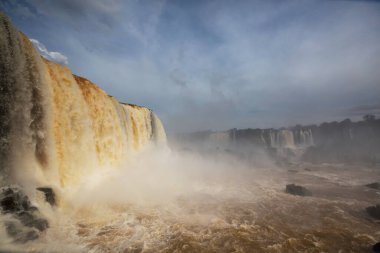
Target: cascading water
59,131
304,137
59,127
281,138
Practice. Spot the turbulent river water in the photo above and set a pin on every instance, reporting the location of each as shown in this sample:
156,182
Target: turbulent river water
183,203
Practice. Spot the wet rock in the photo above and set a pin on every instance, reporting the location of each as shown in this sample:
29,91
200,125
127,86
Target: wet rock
27,236
25,221
297,190
30,220
19,233
375,185
13,200
8,204
374,211
49,195
376,247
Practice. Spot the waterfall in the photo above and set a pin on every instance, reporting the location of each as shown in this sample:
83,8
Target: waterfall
285,138
56,127
306,138
280,138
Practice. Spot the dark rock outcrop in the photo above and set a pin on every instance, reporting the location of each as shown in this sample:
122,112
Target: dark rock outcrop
374,211
49,195
375,185
12,200
297,190
25,221
19,233
376,247
30,219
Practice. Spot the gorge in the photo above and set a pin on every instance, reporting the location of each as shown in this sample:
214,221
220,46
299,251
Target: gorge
334,142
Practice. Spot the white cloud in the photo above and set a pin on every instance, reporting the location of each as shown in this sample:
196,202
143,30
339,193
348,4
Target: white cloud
49,55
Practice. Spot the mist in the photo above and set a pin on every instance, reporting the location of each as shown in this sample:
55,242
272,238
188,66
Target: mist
189,126
192,199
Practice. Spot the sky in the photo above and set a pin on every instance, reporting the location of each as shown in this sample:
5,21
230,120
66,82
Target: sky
217,65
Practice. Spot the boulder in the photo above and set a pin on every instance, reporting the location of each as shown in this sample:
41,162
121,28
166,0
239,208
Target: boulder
13,200
376,247
375,185
49,195
374,211
25,222
30,220
297,190
19,233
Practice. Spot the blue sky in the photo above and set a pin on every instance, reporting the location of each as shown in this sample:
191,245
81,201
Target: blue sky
218,64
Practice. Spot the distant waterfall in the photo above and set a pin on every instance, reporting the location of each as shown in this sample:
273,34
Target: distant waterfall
281,138
304,137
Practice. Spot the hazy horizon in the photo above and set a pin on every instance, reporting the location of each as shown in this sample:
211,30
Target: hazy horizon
218,65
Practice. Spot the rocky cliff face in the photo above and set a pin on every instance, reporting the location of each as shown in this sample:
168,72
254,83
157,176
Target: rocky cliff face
344,141
56,127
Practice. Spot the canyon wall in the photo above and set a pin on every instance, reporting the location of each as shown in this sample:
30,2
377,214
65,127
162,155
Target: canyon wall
336,142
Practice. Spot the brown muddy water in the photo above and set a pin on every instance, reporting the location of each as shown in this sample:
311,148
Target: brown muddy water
245,211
